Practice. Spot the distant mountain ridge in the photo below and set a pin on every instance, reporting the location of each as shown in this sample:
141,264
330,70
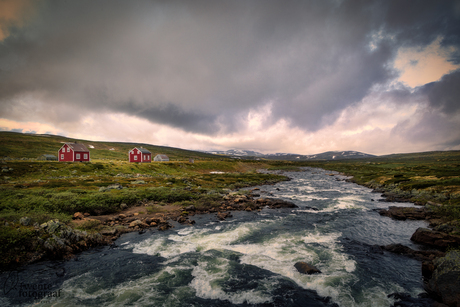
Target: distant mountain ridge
329,155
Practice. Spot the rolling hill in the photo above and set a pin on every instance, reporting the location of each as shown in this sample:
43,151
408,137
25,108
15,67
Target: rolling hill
19,145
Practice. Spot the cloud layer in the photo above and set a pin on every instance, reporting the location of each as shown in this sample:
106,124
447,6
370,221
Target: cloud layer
223,71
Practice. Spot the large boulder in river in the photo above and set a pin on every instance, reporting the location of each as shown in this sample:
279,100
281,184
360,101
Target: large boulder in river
306,268
445,281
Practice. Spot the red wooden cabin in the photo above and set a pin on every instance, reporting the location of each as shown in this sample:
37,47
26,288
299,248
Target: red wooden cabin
73,152
140,155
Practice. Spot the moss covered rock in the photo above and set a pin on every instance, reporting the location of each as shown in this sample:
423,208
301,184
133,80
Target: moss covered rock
445,281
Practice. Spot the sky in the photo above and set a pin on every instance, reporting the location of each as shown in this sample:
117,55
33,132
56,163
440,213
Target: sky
300,77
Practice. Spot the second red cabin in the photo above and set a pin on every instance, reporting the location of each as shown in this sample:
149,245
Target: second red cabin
140,155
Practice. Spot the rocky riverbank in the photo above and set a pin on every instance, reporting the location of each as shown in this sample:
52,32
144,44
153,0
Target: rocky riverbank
441,263
56,240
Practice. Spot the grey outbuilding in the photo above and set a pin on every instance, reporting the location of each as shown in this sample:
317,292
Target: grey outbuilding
161,158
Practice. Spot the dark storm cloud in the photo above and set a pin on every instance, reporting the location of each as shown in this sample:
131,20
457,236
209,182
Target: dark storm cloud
169,113
436,122
213,61
445,93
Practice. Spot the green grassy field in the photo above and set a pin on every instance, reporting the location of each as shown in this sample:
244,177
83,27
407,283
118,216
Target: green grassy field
44,190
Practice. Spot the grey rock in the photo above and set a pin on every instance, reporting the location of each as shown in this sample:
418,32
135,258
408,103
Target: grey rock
445,281
53,226
190,208
115,186
138,182
25,221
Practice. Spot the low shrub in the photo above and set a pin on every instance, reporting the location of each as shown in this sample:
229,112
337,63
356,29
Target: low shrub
90,225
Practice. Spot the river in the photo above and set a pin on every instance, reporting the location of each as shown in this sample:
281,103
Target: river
246,260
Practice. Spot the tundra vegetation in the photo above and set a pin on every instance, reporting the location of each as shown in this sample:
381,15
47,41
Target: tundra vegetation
43,191
33,192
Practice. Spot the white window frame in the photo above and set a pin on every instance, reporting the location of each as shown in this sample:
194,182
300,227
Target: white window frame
68,149
62,156
85,156
135,157
77,156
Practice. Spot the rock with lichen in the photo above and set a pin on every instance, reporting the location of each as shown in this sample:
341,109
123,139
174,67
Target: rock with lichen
445,281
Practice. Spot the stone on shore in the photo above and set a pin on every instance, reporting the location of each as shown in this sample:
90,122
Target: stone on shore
138,223
275,203
423,255
190,208
404,213
78,216
445,281
435,238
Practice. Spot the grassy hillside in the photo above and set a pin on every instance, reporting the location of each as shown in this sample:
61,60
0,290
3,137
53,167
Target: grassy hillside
429,156
31,146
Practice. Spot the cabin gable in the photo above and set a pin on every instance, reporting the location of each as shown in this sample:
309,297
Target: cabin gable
140,155
73,152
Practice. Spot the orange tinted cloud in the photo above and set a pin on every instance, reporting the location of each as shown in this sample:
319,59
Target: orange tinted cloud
422,66
14,13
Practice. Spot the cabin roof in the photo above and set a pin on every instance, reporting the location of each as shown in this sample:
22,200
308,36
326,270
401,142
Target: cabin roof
78,147
143,150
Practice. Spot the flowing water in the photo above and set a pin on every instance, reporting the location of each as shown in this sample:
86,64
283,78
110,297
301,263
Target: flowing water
244,261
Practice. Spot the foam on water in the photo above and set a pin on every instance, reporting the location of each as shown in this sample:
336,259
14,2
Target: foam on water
142,291
277,254
346,203
207,284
